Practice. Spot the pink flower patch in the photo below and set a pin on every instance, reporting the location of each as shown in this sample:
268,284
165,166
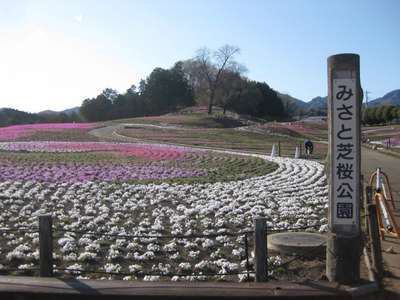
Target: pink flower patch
17,131
148,151
394,141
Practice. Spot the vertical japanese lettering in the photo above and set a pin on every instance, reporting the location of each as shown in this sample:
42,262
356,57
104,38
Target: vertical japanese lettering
344,150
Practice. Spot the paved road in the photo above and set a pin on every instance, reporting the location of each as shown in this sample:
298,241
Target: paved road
370,160
105,133
391,166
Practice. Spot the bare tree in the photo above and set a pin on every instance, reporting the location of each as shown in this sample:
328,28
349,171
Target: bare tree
212,65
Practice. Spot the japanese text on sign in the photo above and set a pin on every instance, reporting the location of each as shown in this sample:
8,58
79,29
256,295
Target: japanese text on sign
344,139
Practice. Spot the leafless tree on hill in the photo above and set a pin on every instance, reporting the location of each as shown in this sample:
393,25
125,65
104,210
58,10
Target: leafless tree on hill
212,66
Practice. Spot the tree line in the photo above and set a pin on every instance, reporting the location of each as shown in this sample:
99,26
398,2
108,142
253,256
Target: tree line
381,114
209,78
165,90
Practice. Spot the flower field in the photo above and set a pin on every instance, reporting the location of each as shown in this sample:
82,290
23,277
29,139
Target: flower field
148,211
151,151
50,131
70,162
395,141
257,138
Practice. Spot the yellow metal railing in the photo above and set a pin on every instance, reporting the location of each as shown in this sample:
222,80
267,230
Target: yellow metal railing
382,196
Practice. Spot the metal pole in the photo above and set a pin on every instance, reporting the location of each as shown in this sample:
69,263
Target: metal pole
375,241
378,179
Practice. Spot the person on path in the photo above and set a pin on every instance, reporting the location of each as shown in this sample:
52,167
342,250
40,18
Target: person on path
309,147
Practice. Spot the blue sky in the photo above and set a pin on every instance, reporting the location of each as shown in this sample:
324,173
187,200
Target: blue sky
54,54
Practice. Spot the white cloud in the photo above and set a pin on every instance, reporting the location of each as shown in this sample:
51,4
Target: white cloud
78,18
40,69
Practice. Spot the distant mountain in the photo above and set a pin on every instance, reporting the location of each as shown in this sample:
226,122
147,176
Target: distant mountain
70,111
287,98
391,98
317,104
293,105
48,112
9,116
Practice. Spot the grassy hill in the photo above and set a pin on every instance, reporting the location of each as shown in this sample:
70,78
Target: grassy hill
197,128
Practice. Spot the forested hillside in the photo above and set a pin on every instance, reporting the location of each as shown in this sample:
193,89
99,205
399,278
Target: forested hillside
211,78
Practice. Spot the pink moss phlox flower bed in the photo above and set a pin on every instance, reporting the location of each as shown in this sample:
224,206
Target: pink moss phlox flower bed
17,131
102,171
71,173
394,141
148,151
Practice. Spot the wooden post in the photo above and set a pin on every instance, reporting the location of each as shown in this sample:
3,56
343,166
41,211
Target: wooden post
260,249
344,109
46,245
279,148
376,249
301,150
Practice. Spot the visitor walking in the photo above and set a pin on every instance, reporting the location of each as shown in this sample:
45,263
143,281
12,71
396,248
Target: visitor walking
309,147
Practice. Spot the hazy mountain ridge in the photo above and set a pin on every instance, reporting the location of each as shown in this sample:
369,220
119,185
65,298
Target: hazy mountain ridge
294,106
391,98
10,116
319,104
73,110
68,111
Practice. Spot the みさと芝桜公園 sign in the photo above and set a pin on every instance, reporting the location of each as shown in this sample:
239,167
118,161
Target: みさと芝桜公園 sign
345,137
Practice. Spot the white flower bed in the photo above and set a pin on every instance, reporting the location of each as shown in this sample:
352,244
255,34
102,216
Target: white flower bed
295,195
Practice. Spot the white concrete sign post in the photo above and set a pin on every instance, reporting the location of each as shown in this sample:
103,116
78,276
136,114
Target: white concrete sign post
344,105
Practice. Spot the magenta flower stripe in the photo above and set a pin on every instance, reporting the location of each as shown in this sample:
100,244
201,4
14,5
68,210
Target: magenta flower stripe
149,151
394,141
18,131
